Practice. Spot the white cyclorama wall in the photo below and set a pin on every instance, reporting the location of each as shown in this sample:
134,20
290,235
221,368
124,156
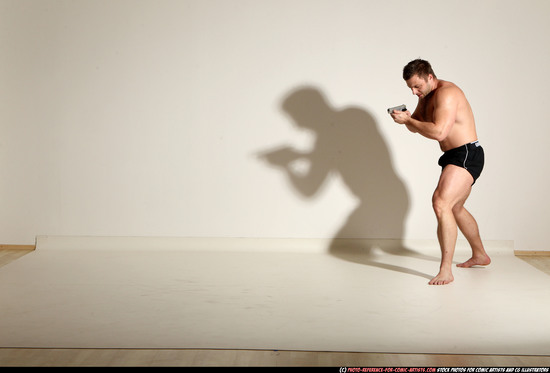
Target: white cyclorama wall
242,118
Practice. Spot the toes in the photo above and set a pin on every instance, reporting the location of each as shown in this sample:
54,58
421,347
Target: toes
440,281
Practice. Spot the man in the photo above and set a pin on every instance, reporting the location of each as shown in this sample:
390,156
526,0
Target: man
443,114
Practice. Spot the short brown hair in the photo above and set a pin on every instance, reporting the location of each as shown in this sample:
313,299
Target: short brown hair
418,67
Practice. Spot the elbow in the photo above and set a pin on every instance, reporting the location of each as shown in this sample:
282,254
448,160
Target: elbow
441,133
440,136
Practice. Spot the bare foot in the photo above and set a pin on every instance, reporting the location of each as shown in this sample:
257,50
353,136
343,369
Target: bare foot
475,261
442,278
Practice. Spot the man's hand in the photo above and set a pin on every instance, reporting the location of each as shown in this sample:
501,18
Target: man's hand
400,116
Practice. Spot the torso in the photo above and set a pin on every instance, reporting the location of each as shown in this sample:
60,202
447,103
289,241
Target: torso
463,130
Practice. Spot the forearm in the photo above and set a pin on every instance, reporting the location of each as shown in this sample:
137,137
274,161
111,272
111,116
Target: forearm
426,129
411,128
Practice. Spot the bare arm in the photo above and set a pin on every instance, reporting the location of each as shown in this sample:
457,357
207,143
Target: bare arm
443,118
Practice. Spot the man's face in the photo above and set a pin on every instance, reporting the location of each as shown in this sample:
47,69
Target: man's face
420,87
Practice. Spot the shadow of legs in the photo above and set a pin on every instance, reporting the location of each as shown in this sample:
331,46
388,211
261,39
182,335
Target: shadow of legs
361,253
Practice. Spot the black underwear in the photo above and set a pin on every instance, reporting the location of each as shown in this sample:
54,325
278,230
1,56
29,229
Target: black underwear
469,156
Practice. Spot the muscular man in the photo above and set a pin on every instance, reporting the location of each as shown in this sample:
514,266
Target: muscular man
443,114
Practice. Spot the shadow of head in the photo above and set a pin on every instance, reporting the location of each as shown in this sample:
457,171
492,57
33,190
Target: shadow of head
308,108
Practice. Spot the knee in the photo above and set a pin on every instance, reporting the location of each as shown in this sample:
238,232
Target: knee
440,205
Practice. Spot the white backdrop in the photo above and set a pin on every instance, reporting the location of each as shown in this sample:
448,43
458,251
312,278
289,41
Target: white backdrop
154,118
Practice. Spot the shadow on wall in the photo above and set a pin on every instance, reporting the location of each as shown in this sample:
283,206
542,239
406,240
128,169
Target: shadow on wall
348,143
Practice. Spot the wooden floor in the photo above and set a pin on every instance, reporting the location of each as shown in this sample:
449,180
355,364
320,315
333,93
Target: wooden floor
10,357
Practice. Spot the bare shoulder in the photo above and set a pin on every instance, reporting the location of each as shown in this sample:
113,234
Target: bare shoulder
448,91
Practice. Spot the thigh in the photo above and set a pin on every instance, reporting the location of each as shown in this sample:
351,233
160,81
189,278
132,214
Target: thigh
455,185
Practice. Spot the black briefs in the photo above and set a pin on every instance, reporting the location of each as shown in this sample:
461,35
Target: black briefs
468,156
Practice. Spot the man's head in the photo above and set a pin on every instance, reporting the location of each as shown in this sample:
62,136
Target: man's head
420,77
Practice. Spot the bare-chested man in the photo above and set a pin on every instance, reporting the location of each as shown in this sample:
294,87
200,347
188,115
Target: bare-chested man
444,114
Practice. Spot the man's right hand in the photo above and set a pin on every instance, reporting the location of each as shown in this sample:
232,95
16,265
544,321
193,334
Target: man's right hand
400,116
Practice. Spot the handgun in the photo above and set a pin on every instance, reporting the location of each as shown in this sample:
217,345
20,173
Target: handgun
398,108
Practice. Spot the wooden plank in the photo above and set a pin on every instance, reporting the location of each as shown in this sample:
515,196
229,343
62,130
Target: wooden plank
8,256
531,253
17,247
13,357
